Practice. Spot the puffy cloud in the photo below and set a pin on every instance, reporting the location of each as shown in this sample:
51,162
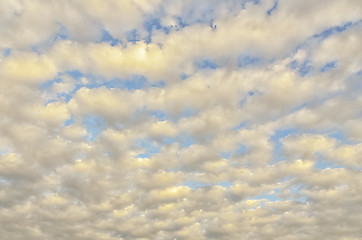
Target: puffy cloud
28,68
194,120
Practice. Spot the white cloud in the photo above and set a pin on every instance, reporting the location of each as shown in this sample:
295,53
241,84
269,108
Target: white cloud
245,124
27,68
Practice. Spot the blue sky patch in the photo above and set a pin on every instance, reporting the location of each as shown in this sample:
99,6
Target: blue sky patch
151,24
181,23
107,37
272,197
48,84
303,68
244,2
160,115
330,31
3,151
183,76
206,64
275,6
225,155
70,121
133,83
7,52
328,66
63,32
60,36
150,147
185,140
241,149
323,164
133,36
247,60
154,24
74,74
196,184
276,137
239,126
94,125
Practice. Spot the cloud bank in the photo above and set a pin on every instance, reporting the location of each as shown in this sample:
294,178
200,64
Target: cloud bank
157,119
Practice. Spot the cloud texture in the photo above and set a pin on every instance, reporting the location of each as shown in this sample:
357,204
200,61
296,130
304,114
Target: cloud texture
160,119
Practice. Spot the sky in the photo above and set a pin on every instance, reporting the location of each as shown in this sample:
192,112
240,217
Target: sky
176,120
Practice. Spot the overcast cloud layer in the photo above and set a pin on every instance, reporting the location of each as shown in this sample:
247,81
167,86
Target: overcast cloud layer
165,119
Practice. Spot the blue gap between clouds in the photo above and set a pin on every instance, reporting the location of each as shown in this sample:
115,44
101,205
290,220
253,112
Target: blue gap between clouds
183,76
279,134
94,125
248,95
48,84
133,36
322,164
225,155
160,115
298,107
275,6
189,112
3,151
185,140
205,64
7,52
245,60
154,24
150,147
163,115
65,96
239,126
70,121
295,190
244,2
62,34
270,197
80,156
355,80
328,66
168,140
241,149
195,184
336,29
303,68
186,112
181,23
107,37
336,133
133,83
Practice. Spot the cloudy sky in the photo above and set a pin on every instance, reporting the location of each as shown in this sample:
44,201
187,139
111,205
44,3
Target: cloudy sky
180,119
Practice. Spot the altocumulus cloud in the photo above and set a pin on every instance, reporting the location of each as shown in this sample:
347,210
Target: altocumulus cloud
160,119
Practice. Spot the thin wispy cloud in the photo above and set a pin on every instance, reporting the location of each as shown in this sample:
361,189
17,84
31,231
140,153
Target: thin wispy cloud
159,119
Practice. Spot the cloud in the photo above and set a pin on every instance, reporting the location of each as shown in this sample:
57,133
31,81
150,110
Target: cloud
28,68
189,120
